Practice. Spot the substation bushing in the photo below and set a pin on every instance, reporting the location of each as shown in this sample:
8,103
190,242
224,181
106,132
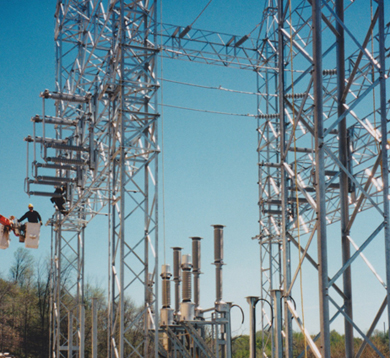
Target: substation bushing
177,280
218,262
166,313
187,308
196,272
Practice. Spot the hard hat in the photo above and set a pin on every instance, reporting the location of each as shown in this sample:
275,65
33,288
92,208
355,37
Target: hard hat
30,205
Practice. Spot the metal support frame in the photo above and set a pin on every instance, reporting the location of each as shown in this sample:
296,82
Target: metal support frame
133,175
319,116
102,140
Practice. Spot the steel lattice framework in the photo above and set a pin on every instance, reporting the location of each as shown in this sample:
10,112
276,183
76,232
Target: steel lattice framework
102,144
322,153
322,148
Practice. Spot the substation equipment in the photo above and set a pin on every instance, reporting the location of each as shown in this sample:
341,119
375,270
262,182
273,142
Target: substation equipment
187,330
322,156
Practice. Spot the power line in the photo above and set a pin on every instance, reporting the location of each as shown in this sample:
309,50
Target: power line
208,111
201,13
220,88
189,27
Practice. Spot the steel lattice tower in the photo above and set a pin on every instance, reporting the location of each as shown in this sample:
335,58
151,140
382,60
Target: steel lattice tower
322,152
102,144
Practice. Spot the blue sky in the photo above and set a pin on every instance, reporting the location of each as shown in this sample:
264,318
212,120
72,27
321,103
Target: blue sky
210,160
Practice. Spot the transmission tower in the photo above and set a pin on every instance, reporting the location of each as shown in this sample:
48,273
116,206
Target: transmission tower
101,145
322,157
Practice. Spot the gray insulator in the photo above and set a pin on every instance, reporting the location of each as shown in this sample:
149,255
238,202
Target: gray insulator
176,263
329,72
218,283
269,116
186,288
296,95
218,243
166,293
196,262
196,254
218,260
196,290
166,286
177,277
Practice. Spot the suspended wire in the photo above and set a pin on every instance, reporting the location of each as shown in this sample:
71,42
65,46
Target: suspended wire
162,134
250,33
193,22
296,178
208,111
220,88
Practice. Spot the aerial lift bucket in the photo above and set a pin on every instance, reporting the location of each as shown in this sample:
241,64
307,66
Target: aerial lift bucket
4,238
32,235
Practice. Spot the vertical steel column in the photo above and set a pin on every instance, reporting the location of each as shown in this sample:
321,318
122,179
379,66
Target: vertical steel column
385,165
148,287
70,334
112,257
320,180
252,300
94,327
122,180
228,330
80,289
56,333
82,332
278,326
284,190
156,233
51,290
343,156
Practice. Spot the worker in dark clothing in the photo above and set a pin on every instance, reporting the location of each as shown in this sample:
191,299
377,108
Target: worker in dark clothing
59,201
32,216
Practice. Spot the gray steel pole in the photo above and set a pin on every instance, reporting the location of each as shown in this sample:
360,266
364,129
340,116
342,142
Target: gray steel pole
320,180
286,264
122,180
252,300
343,155
278,327
82,332
94,327
385,165
229,331
70,334
112,263
81,238
156,262
58,291
147,287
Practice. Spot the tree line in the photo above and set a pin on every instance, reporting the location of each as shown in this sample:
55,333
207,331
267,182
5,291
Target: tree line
25,318
25,311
